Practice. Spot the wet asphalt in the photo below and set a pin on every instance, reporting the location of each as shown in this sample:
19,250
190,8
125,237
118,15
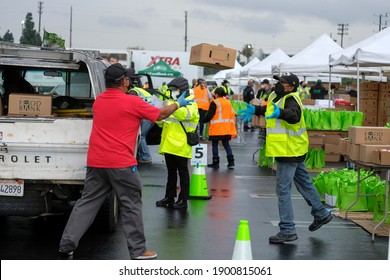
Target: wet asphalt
207,229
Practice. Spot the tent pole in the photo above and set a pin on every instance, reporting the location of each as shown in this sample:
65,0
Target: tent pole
358,87
330,85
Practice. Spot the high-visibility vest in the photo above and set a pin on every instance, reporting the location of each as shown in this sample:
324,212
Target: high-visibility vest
173,137
284,139
201,97
144,94
304,93
226,89
224,119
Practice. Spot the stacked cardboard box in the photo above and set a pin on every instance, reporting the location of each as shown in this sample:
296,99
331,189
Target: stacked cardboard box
329,141
368,102
365,140
383,104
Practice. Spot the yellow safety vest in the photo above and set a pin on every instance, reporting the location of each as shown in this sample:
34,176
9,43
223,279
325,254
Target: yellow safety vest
284,139
144,94
304,93
173,137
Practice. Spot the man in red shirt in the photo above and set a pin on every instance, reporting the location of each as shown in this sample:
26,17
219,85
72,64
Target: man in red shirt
111,164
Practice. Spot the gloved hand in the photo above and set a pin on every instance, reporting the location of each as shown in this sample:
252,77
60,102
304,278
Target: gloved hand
247,114
275,114
183,101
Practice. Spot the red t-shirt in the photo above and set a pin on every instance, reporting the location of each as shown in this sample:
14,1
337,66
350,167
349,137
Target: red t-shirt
116,121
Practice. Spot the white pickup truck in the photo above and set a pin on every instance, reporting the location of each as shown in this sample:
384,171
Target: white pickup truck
43,158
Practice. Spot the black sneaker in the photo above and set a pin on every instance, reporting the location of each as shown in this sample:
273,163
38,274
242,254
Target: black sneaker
281,238
165,202
319,223
65,255
180,204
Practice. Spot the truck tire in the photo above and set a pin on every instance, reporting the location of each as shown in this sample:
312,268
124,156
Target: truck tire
31,204
107,217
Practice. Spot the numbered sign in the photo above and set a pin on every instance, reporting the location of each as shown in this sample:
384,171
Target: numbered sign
199,154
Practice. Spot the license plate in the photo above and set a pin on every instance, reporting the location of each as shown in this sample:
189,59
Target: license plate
11,187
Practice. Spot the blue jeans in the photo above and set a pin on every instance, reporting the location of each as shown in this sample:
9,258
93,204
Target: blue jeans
143,149
286,173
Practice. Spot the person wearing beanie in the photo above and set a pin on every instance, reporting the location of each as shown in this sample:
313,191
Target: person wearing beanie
174,146
112,166
287,141
318,91
226,87
222,128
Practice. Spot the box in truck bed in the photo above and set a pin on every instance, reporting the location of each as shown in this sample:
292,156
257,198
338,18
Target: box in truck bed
21,104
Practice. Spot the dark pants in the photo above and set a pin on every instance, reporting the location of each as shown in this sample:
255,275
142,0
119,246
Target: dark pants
225,144
99,182
174,165
202,114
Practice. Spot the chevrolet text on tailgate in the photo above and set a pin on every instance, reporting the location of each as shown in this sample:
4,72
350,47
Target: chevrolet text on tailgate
45,123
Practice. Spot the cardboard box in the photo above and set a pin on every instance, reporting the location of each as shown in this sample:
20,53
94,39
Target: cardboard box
381,157
309,102
332,139
354,151
332,149
369,135
345,107
332,157
366,151
30,105
343,146
217,57
316,138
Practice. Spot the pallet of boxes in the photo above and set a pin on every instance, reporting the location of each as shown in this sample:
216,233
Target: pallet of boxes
374,103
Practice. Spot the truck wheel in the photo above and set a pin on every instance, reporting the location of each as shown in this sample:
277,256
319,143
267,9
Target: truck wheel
31,204
107,217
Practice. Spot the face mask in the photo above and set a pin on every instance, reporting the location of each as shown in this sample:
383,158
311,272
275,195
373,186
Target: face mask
279,89
304,86
175,94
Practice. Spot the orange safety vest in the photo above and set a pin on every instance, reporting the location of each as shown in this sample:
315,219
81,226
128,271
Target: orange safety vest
224,119
201,97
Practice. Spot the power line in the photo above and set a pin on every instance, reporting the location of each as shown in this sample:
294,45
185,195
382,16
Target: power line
343,28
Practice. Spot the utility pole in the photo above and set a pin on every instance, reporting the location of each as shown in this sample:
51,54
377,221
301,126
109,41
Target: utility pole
380,22
343,28
185,32
40,11
70,28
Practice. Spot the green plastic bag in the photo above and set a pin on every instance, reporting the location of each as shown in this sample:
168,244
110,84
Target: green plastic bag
325,120
335,120
348,196
319,183
316,120
318,159
358,118
263,160
307,116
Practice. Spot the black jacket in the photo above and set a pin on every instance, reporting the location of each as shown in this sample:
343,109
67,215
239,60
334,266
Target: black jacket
291,114
248,94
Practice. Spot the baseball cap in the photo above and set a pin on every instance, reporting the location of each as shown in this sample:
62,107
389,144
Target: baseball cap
265,81
291,79
225,82
115,72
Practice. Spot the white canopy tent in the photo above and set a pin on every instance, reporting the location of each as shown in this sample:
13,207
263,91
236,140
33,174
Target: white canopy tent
222,74
371,52
264,67
237,72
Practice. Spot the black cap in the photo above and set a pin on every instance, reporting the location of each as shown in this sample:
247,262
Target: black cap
291,79
225,82
178,83
265,81
115,73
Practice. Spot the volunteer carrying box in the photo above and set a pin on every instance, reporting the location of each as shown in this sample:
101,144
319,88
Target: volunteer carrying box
217,57
30,105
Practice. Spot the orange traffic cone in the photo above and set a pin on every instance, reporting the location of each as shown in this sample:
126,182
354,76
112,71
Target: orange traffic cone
198,183
242,247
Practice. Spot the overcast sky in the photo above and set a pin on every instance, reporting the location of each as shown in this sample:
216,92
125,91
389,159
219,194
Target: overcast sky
160,25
